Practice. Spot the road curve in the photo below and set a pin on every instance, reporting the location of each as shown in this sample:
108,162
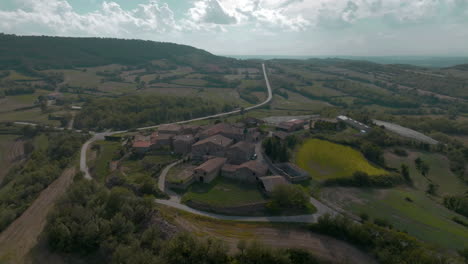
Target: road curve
100,136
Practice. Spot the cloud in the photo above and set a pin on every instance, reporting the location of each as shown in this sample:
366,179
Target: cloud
58,16
211,11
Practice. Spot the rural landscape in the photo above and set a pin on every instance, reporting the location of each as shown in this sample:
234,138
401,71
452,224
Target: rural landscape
134,151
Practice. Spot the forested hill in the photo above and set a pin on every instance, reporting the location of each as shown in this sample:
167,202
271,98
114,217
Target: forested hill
42,52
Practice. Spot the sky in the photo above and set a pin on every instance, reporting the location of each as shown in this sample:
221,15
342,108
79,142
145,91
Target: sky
257,27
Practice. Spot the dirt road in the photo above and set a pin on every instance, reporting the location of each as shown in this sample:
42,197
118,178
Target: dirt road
22,235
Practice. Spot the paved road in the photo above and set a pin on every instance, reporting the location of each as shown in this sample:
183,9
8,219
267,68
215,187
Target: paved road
309,218
99,136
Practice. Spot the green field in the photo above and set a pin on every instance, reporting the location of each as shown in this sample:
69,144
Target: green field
422,218
108,152
224,193
439,172
327,160
6,141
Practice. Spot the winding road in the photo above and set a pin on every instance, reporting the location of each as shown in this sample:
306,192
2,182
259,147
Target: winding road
175,200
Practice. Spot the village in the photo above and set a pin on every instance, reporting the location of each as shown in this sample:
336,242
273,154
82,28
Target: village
232,151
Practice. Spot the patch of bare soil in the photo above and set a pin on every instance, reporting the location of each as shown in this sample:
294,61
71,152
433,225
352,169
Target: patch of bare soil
323,247
22,235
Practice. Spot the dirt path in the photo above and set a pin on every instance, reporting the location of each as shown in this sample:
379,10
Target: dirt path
279,237
22,235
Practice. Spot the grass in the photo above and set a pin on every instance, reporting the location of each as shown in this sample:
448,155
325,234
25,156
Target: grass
6,141
223,193
41,142
422,218
327,160
31,115
439,172
108,152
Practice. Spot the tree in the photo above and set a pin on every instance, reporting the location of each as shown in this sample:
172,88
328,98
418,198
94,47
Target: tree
289,196
404,170
432,189
424,169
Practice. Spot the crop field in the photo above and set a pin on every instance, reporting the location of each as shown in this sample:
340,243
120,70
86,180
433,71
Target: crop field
223,192
327,160
416,213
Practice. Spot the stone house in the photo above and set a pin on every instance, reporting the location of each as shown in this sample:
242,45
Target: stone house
174,129
209,170
269,183
249,171
141,146
291,125
212,146
226,130
159,140
183,144
240,152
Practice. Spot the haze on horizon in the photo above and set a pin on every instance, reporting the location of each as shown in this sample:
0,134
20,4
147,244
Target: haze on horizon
257,27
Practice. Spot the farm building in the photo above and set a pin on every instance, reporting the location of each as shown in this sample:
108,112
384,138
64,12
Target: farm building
141,147
292,172
170,129
183,180
190,129
161,140
183,144
269,183
291,125
281,135
246,172
212,146
223,129
363,128
240,152
209,170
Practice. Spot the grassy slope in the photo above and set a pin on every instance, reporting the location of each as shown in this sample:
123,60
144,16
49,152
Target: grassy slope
326,160
224,192
439,172
107,153
422,218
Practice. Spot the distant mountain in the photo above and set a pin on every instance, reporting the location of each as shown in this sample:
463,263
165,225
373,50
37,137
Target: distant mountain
41,52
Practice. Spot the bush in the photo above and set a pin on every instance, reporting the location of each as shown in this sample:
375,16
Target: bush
362,179
289,196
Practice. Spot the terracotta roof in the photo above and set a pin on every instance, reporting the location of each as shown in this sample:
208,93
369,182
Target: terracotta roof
255,166
230,168
291,123
270,182
211,165
221,128
216,139
243,146
141,144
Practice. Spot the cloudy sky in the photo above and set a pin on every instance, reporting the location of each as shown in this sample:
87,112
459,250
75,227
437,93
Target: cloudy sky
259,27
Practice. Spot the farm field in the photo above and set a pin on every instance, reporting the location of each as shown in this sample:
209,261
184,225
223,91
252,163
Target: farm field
223,192
326,160
107,151
439,172
406,209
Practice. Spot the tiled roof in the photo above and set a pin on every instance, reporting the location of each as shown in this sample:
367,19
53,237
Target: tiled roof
211,165
270,182
170,127
221,128
141,144
255,166
217,139
243,146
230,167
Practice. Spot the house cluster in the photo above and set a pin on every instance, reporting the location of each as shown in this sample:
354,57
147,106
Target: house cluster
226,150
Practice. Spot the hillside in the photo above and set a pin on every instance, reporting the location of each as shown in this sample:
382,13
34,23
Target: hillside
42,52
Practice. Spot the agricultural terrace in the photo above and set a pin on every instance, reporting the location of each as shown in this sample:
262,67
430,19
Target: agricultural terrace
326,160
